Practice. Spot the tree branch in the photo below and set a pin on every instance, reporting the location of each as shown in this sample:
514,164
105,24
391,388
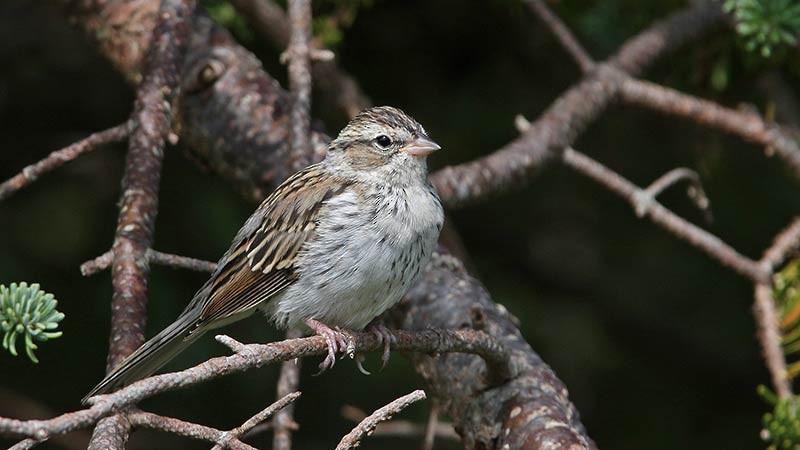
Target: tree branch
263,415
270,21
431,426
299,57
769,336
60,157
562,33
497,367
558,127
747,125
767,319
367,426
785,243
103,261
402,428
664,36
695,191
139,202
187,429
283,424
684,230
531,410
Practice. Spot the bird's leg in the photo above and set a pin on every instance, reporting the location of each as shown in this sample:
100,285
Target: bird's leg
384,336
336,339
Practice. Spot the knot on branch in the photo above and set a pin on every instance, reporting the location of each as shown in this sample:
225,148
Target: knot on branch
206,68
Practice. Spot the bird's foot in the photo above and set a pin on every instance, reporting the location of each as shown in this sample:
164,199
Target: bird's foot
336,339
386,337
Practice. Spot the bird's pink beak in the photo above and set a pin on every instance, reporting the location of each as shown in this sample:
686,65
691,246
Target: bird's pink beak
421,146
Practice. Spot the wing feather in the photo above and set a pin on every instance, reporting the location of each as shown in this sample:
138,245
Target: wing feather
263,259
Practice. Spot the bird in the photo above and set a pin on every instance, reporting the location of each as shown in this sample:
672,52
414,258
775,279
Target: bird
330,249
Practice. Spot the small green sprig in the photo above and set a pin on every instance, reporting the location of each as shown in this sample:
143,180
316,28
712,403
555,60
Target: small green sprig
766,25
782,425
29,313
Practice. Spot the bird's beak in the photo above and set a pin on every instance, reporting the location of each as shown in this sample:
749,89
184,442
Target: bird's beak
421,146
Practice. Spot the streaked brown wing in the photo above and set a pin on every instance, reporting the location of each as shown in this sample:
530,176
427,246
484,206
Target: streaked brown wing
262,261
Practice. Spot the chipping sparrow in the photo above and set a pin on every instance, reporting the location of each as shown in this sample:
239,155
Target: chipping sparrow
335,245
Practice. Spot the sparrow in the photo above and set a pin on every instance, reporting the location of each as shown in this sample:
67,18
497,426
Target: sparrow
331,249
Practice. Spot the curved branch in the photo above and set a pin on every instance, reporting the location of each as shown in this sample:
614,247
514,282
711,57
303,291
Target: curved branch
695,191
531,410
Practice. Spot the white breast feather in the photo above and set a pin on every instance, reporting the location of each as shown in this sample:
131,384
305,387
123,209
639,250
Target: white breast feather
361,263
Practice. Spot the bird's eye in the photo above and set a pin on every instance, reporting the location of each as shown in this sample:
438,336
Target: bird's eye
383,141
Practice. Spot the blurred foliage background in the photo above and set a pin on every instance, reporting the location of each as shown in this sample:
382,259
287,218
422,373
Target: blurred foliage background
654,340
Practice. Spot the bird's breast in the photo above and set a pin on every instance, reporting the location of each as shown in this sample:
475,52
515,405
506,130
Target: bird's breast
369,248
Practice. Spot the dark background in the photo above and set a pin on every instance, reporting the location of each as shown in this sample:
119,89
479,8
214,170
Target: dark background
654,340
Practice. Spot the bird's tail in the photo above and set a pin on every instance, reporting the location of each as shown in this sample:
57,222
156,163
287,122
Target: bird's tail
152,355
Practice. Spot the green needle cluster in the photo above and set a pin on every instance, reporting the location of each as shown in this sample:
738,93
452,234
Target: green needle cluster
782,425
29,314
766,25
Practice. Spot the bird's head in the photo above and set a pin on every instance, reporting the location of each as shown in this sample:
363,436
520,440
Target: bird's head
383,143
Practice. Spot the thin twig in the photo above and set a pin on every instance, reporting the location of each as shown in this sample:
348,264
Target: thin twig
186,429
695,191
562,33
402,428
283,423
785,242
22,404
769,336
60,157
269,20
367,426
261,416
97,264
644,197
103,261
767,317
431,426
231,343
182,262
299,55
686,231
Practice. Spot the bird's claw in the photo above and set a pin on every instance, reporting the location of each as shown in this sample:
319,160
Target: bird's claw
387,338
336,339
360,364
